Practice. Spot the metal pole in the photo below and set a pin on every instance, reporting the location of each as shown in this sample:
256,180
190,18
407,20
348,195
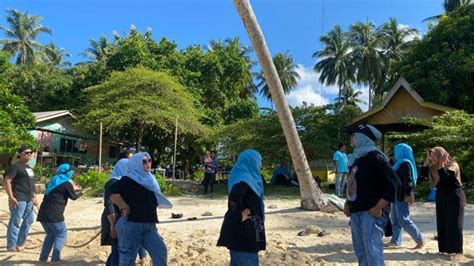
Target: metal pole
100,148
175,145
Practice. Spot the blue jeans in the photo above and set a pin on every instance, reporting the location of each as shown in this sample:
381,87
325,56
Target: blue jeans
400,217
21,219
367,235
55,237
340,182
114,257
239,258
133,235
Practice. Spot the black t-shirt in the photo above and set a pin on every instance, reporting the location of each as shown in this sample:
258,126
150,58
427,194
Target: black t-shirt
247,236
53,205
141,201
375,180
405,174
23,181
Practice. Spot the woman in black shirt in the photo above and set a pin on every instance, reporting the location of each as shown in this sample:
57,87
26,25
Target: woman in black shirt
137,196
444,173
243,231
51,212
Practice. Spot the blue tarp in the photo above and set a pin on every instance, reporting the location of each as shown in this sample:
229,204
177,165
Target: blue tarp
280,171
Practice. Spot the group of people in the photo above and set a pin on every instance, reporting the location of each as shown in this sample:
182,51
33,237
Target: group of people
377,193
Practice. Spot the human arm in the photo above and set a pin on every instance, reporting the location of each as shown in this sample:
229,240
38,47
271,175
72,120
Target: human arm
123,206
236,199
11,173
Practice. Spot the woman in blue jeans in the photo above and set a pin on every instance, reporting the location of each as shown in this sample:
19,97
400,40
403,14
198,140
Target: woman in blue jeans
243,231
111,214
51,212
137,195
405,167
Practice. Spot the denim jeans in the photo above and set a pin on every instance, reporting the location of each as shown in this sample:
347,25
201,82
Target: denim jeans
340,183
21,219
367,235
239,258
55,237
132,235
114,257
400,217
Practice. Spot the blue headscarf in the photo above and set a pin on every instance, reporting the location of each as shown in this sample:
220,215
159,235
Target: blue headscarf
146,179
120,169
63,174
247,169
404,154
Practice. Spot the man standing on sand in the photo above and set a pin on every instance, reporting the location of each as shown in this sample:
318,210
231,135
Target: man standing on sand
20,183
340,165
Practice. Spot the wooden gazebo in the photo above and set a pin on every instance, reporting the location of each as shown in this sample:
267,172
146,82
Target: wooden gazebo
401,101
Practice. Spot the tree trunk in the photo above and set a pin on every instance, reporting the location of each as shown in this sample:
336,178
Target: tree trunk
311,195
141,129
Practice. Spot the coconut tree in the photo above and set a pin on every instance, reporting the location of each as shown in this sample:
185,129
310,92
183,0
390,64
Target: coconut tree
99,49
311,195
351,97
397,40
367,55
286,68
21,36
335,64
55,56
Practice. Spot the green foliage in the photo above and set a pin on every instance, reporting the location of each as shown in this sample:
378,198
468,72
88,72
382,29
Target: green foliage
93,179
140,102
441,66
321,129
43,172
286,68
453,131
422,189
15,121
40,87
168,188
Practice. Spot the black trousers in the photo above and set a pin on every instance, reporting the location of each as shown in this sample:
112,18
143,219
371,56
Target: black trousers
450,204
209,179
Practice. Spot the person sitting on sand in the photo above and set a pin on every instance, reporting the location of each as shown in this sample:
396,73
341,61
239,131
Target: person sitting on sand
51,212
243,231
138,194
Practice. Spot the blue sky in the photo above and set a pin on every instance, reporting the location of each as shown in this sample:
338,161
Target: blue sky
288,25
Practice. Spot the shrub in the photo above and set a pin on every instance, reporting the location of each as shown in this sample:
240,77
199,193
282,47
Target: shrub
93,179
167,188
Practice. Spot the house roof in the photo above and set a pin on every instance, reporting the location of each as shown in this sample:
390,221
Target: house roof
45,116
402,84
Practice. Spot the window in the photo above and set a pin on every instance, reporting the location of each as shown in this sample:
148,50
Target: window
68,145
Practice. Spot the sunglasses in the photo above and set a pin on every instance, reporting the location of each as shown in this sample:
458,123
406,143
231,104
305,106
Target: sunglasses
28,152
146,161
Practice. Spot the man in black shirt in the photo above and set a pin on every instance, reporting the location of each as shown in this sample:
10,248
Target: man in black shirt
19,184
371,186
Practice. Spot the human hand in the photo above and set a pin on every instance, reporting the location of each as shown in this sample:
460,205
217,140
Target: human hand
346,209
375,212
125,210
35,201
12,202
76,187
246,214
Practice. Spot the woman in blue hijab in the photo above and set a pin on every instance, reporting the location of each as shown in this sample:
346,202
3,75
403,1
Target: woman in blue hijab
405,167
137,194
51,212
243,231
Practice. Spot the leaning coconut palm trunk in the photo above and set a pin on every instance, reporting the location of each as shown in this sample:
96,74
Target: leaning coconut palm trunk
311,195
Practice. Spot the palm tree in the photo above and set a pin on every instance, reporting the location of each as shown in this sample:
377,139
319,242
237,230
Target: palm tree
311,194
335,64
234,46
99,49
286,69
397,40
449,6
55,56
21,36
367,55
351,97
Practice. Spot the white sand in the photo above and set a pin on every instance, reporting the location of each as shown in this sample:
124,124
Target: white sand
194,242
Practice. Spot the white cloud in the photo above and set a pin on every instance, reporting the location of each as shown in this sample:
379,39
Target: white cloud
308,89
306,94
411,37
364,97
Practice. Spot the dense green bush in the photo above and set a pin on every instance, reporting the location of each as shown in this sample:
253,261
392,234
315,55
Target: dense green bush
43,173
168,188
93,179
